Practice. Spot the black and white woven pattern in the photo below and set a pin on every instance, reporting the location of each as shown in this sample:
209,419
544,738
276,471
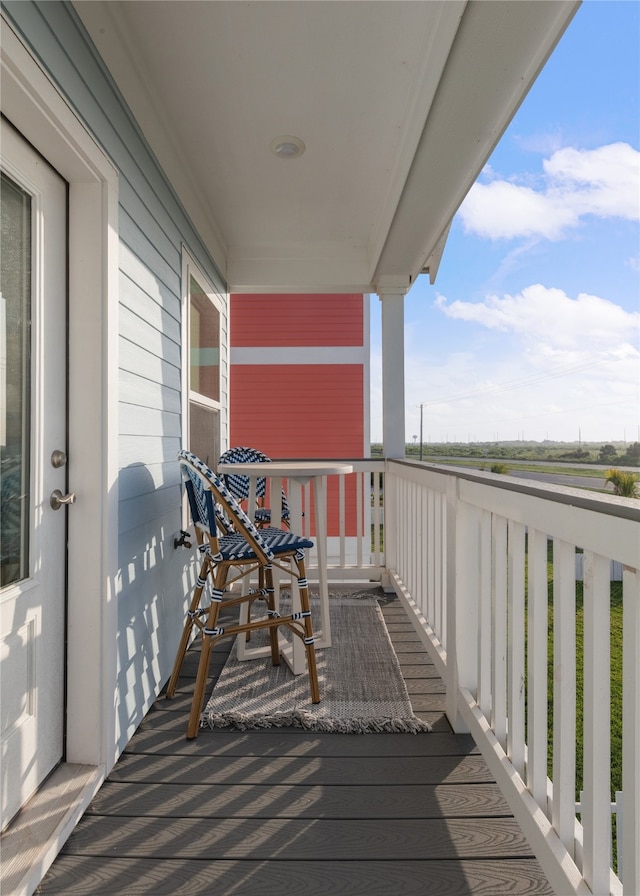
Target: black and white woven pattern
238,484
272,541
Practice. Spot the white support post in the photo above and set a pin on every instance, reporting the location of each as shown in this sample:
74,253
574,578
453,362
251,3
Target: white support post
537,667
393,412
499,634
596,802
515,645
485,622
451,676
390,534
463,564
564,696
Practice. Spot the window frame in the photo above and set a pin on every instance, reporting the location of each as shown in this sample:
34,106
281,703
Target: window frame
190,269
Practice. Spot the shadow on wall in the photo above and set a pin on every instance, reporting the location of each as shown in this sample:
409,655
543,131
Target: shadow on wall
154,583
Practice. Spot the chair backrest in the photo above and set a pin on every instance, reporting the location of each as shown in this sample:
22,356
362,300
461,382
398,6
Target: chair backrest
205,491
239,485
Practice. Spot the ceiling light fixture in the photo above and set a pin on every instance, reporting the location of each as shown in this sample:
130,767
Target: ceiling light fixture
287,147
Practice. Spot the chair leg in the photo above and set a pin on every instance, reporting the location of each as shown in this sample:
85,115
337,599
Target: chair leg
193,726
305,606
267,572
187,630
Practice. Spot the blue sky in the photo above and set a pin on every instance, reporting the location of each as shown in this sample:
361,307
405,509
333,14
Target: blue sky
532,327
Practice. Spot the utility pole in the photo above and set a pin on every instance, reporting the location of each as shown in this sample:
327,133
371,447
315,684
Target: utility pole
421,414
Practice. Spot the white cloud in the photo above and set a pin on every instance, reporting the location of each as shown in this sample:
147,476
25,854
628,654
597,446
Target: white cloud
538,363
604,182
503,210
482,398
548,316
555,367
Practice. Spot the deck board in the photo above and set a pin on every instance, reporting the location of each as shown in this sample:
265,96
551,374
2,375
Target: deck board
98,876
171,740
327,772
292,811
295,839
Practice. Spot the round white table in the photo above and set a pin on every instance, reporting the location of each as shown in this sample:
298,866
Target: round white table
297,473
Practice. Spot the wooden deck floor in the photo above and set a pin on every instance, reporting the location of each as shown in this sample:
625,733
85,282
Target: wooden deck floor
300,813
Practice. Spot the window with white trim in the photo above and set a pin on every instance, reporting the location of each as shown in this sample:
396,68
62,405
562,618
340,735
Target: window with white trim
201,367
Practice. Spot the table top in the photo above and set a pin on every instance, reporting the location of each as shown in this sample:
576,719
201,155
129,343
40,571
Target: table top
289,469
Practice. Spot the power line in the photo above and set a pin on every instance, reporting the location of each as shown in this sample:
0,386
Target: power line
510,385
504,419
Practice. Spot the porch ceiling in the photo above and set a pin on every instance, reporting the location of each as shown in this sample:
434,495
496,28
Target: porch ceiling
399,105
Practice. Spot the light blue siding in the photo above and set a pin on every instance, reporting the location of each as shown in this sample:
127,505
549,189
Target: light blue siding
153,578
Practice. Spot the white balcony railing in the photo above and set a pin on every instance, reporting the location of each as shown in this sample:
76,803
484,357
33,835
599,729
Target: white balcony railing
486,566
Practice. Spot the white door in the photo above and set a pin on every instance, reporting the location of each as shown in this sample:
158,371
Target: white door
33,456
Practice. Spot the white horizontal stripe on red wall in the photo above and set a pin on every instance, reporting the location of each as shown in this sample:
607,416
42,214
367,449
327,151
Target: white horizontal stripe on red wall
309,354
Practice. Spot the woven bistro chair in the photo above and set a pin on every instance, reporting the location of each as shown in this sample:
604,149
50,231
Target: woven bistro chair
238,484
229,558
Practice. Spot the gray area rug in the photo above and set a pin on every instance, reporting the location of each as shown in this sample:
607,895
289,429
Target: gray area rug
361,686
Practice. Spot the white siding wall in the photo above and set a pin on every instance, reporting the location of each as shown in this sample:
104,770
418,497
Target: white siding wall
153,578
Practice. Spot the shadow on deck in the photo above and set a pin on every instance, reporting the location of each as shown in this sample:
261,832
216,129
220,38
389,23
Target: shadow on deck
298,812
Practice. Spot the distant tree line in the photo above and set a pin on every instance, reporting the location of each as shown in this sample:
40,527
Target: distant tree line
622,454
629,458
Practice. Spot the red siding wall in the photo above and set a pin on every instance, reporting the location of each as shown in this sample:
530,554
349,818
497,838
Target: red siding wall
310,410
263,320
294,410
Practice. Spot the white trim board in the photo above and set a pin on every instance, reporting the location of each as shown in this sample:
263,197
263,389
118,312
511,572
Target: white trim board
34,106
306,354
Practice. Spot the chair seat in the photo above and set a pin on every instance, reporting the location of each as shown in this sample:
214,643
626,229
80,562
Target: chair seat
279,541
263,515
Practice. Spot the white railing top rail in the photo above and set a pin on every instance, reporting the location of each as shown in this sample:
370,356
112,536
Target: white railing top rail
611,505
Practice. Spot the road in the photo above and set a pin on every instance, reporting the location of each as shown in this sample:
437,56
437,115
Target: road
561,479
574,481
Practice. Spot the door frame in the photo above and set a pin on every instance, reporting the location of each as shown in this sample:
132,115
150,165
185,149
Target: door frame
34,600
36,108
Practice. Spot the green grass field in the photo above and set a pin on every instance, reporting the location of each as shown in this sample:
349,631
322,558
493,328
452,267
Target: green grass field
559,469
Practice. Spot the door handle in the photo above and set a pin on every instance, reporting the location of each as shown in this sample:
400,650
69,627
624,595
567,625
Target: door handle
57,499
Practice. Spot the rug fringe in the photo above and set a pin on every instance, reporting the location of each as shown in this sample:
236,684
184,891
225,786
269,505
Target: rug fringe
243,722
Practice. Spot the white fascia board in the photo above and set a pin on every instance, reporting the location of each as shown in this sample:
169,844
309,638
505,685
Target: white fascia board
499,50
